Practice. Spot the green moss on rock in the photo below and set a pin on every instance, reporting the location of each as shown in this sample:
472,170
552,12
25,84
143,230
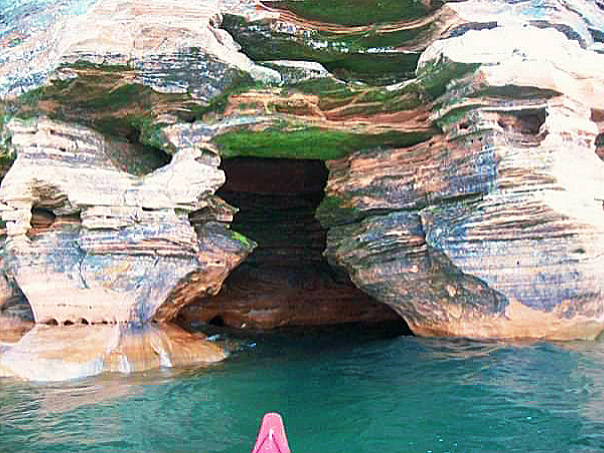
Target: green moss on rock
434,76
309,143
7,155
335,210
367,56
356,12
102,97
246,242
516,92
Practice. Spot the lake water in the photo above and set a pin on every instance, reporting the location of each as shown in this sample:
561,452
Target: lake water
345,391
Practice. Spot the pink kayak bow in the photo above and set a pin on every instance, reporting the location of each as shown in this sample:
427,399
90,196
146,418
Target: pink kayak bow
272,437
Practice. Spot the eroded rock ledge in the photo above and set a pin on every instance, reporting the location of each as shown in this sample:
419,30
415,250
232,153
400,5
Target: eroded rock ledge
48,353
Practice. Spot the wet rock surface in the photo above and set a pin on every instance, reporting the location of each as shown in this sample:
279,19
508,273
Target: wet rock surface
463,144
50,353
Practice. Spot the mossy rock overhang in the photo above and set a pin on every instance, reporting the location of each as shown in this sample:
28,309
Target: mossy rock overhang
309,143
357,12
109,98
371,55
99,98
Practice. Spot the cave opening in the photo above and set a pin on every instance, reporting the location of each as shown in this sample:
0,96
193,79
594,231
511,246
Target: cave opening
285,281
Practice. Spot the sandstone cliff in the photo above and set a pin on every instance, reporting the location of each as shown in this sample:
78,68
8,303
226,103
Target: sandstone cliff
463,143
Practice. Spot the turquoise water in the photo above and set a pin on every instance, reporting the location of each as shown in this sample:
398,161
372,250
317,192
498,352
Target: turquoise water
338,392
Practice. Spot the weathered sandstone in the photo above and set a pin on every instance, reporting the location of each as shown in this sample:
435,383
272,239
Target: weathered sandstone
49,353
463,144
172,46
119,243
495,228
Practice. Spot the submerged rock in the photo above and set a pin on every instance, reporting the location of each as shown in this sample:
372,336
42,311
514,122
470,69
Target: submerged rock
49,353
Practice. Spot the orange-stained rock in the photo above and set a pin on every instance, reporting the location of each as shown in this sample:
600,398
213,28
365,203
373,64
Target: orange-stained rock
12,328
51,353
268,297
464,144
494,228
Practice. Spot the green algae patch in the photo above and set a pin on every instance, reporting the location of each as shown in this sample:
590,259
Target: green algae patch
516,92
244,241
370,56
355,12
326,86
376,100
379,68
434,76
309,143
95,93
7,154
358,99
105,99
241,83
6,161
454,115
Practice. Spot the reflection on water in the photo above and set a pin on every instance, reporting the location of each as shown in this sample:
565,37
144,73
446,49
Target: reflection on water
458,348
55,353
590,374
337,392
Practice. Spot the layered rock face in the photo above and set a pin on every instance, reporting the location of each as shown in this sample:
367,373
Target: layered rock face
114,244
462,143
170,46
494,228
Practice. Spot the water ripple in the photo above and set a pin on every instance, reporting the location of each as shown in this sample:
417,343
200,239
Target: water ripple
336,394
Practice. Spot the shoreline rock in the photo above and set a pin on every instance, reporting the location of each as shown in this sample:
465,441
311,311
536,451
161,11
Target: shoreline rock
51,353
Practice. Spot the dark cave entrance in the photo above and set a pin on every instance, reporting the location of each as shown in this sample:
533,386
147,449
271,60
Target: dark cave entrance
286,281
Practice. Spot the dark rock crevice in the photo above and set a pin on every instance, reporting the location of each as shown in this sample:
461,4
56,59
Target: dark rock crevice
286,281
527,122
600,145
135,157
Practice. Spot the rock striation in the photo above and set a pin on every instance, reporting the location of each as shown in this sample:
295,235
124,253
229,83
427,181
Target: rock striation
114,245
463,143
494,228
170,46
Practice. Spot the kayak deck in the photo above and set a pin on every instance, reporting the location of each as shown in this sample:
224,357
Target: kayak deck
272,437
